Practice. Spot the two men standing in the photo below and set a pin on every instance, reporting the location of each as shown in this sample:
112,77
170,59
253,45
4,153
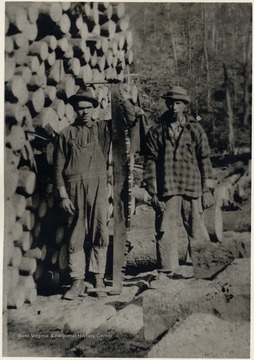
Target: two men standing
177,173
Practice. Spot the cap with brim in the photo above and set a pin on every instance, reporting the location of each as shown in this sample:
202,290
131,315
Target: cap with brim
177,93
83,95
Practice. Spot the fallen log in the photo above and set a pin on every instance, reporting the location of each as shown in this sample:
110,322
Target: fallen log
143,255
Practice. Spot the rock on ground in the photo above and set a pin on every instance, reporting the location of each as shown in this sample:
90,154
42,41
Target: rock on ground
205,336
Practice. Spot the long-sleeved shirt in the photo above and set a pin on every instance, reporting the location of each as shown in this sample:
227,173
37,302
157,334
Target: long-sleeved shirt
177,166
81,152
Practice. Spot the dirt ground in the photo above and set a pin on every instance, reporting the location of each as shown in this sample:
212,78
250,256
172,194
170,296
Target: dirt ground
154,316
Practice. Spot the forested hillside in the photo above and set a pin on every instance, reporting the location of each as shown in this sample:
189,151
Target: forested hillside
206,48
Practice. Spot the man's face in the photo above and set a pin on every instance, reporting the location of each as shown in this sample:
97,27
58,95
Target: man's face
85,111
176,107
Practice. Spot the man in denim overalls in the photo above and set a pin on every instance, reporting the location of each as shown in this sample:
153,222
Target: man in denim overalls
81,179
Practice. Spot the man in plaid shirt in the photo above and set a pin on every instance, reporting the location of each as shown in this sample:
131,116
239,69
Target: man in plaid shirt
177,172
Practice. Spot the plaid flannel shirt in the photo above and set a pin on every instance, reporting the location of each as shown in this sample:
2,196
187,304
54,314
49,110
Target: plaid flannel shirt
177,167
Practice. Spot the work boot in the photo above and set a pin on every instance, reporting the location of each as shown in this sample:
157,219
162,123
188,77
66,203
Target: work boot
77,289
100,288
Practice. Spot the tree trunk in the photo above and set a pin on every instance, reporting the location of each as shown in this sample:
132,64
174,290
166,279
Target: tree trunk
231,141
207,67
247,78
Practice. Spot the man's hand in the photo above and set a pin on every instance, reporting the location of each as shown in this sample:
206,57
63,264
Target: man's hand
207,200
158,206
68,206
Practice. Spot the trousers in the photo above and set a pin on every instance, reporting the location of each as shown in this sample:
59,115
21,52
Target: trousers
87,228
167,225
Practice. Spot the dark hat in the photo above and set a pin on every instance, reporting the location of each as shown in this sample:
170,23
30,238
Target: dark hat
177,93
83,95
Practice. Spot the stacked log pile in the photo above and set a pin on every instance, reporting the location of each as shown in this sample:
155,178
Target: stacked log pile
51,49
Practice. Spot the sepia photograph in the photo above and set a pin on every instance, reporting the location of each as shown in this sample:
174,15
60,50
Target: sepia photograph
127,179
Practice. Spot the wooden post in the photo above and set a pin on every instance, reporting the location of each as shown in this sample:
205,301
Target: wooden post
119,189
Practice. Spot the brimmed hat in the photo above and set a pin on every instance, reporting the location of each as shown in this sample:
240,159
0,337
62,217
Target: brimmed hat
83,95
177,93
